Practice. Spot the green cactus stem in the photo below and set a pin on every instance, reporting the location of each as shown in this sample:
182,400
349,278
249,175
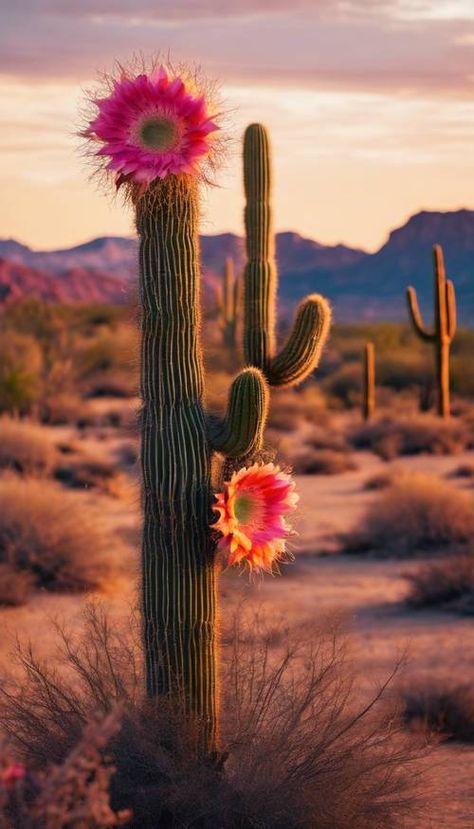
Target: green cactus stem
300,355
444,329
229,305
179,594
368,397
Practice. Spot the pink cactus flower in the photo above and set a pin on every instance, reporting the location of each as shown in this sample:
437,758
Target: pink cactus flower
151,126
252,512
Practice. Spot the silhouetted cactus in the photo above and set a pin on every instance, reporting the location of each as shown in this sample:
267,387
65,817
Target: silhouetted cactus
368,399
178,553
444,328
229,305
300,355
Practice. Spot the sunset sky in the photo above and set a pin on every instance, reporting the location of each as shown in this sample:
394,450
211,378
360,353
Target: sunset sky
370,105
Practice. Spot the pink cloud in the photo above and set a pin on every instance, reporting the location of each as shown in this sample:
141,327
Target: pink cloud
362,45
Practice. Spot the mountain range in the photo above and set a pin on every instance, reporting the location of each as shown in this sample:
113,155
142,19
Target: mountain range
362,286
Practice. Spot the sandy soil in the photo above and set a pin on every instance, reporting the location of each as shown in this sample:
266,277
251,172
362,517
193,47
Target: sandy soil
369,594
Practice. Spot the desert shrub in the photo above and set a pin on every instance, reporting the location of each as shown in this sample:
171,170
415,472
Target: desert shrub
381,480
465,470
403,369
20,373
63,408
117,384
58,538
291,733
285,418
25,447
74,793
448,584
389,438
462,381
107,363
291,408
127,454
441,708
90,473
416,513
326,438
345,385
322,462
15,586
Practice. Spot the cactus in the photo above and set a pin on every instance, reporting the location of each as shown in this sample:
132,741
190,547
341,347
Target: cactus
300,355
178,550
368,401
229,305
444,328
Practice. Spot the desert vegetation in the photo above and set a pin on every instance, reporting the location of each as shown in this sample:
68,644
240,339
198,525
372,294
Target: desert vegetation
179,717
58,541
290,728
415,514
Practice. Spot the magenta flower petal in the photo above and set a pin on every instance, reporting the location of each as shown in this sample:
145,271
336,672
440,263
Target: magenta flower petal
151,126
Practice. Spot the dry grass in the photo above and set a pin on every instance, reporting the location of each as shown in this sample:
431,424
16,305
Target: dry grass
291,733
92,473
15,586
389,437
416,513
25,448
65,407
447,584
290,408
441,708
318,451
53,535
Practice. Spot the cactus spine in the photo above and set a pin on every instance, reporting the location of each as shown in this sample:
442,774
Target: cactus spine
229,305
368,402
444,328
300,355
178,554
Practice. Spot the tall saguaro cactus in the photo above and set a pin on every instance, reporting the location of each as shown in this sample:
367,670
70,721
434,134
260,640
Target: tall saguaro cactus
178,566
444,327
368,398
229,304
155,130
300,355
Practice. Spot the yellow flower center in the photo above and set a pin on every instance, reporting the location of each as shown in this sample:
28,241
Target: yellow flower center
243,508
158,134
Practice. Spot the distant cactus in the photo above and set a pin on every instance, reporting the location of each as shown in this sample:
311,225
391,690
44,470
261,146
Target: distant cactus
300,355
444,328
229,305
368,402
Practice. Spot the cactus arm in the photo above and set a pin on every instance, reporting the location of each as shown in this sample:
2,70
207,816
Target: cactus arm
416,318
440,271
451,309
261,275
240,432
300,355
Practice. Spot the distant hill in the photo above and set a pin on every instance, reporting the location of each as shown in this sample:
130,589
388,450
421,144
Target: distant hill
362,286
18,281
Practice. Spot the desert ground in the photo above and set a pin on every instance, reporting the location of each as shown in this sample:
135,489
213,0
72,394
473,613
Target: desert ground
379,503
367,593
